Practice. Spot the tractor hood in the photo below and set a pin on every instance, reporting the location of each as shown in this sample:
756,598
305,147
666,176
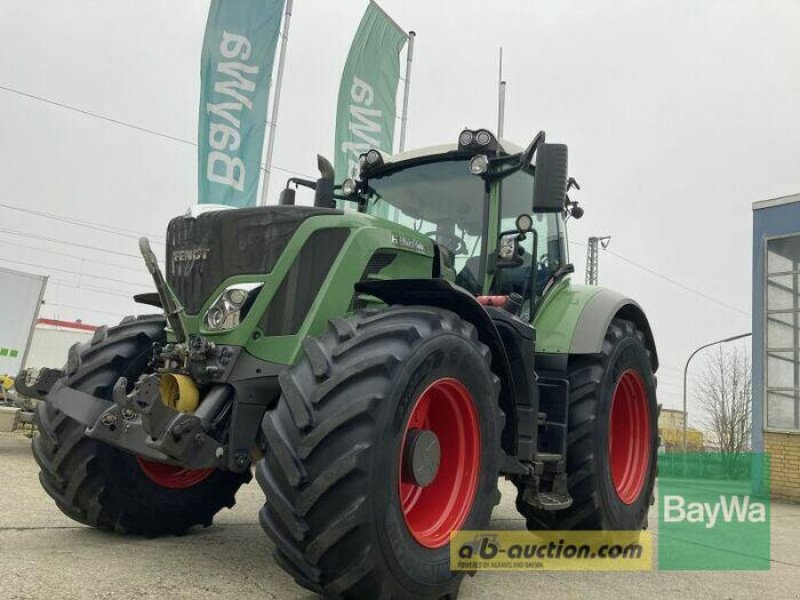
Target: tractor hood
205,250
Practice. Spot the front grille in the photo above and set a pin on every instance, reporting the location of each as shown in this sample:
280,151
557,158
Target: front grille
301,284
204,251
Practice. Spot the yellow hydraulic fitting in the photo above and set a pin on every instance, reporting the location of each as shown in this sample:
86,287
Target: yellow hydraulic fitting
179,392
6,382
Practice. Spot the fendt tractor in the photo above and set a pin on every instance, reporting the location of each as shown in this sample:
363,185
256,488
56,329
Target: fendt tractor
379,359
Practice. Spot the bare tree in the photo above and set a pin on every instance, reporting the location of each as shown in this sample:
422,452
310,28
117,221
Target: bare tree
725,395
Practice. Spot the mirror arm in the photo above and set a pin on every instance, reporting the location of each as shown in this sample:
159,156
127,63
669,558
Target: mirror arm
527,156
304,182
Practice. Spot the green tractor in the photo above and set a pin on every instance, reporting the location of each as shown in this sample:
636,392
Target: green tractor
380,358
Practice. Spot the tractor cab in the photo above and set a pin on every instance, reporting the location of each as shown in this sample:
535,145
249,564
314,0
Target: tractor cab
468,197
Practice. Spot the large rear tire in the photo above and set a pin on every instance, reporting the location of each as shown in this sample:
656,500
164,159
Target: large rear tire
347,517
612,439
104,487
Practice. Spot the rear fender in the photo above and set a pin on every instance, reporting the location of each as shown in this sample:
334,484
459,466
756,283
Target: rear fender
573,319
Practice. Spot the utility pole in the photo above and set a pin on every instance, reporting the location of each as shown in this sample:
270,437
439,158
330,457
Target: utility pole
406,88
273,121
593,258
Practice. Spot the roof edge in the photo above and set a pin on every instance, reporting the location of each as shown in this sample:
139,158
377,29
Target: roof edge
779,201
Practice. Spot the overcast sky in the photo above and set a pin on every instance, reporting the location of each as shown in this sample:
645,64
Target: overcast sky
678,115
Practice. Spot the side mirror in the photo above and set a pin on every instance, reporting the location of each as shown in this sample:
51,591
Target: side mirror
323,194
509,252
287,197
550,178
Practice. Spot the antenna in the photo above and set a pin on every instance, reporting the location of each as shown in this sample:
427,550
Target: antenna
501,98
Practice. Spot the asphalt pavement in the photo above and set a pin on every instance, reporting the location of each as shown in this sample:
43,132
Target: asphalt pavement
43,554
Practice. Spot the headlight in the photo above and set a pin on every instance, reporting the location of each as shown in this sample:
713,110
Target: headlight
231,306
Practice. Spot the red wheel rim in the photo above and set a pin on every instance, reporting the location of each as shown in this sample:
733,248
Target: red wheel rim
629,436
171,476
431,512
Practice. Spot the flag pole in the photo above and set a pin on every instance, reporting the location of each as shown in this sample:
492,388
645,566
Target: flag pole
501,99
276,103
406,87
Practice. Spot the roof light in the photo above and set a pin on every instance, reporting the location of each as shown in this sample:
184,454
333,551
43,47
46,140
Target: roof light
483,137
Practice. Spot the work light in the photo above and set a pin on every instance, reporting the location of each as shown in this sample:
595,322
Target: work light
348,187
479,164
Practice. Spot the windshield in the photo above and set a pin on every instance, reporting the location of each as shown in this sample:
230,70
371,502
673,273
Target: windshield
444,201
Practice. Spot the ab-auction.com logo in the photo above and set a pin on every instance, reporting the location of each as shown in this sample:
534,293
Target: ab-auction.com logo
713,512
550,550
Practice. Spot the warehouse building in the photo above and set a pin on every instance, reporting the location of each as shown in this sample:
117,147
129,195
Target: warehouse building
776,340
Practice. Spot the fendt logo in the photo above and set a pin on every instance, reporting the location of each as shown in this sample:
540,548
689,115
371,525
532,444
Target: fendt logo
190,254
729,509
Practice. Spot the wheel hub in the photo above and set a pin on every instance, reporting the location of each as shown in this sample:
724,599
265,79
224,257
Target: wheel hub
423,455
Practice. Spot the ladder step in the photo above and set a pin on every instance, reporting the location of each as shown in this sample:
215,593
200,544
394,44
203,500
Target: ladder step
547,457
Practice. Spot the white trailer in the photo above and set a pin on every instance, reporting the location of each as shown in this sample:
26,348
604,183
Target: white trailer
52,339
20,298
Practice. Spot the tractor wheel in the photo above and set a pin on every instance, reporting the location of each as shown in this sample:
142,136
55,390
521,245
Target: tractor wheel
613,438
104,487
386,439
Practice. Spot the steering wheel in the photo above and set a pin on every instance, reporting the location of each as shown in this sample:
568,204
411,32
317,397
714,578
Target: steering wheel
456,245
544,261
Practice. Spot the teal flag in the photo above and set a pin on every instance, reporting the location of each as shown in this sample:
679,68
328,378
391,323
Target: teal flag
238,54
366,110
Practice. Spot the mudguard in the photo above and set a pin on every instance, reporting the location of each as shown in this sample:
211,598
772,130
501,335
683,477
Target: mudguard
573,319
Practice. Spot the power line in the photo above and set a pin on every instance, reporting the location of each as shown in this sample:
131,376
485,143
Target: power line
77,245
679,284
74,256
125,124
670,280
96,226
66,284
81,308
70,272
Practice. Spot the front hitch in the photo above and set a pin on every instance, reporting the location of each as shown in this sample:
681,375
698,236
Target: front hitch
139,421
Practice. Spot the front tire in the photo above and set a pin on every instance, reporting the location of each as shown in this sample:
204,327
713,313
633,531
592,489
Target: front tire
612,438
347,518
102,486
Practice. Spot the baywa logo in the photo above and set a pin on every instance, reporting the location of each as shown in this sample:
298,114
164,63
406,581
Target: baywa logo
714,512
728,508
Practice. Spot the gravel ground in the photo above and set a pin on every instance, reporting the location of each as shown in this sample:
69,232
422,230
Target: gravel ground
46,555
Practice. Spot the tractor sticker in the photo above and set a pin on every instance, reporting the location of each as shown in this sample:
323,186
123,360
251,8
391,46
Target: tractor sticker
403,241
